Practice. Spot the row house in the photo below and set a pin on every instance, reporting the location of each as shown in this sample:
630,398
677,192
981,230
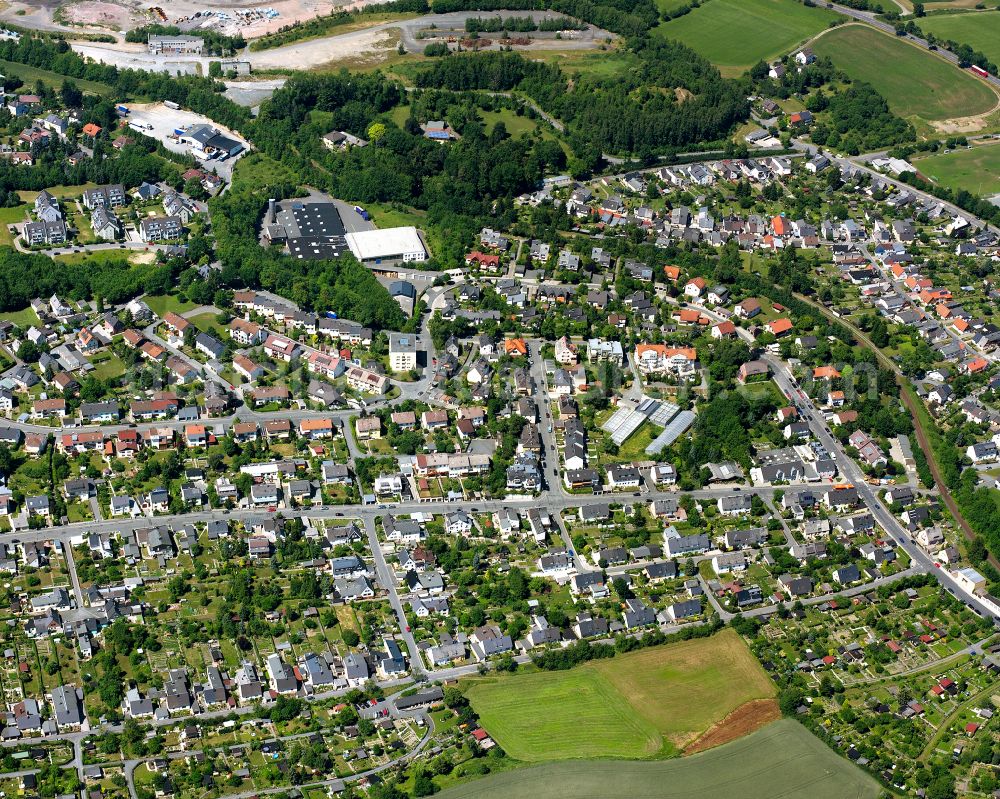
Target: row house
76,443
443,464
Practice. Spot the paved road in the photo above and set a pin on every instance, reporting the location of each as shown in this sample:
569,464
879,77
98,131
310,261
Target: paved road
850,471
387,579
129,766
869,18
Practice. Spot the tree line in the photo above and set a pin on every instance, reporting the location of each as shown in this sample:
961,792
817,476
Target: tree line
201,95
520,24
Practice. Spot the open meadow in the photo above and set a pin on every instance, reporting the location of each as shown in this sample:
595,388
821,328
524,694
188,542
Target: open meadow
975,169
981,30
736,34
648,703
917,84
780,760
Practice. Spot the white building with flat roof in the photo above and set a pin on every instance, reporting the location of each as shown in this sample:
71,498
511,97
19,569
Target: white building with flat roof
390,244
402,352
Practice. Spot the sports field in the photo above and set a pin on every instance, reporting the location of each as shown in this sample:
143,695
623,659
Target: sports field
736,34
781,760
976,170
647,703
916,83
981,30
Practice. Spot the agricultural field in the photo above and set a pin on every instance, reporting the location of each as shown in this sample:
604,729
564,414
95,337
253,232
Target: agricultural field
647,703
736,34
945,5
980,30
783,759
976,169
917,84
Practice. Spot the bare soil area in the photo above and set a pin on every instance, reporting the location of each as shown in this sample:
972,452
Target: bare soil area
103,14
742,721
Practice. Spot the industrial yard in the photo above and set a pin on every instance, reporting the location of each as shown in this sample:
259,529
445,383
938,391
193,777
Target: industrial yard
227,17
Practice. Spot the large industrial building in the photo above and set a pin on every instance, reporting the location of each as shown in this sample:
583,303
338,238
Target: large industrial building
310,230
314,229
207,142
175,45
392,244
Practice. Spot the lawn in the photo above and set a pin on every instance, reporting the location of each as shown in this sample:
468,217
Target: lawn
635,445
516,125
168,302
764,389
97,257
11,216
781,760
736,34
976,170
61,191
980,30
24,318
647,703
204,321
604,64
109,367
916,83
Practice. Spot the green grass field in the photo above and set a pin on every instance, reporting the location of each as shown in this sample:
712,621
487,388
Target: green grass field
554,716
916,83
976,170
160,304
258,170
780,760
24,318
31,75
980,30
736,34
670,5
646,703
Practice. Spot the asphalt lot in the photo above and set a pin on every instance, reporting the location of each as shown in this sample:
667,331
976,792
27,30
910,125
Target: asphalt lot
165,120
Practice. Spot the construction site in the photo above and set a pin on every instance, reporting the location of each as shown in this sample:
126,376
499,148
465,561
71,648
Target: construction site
227,17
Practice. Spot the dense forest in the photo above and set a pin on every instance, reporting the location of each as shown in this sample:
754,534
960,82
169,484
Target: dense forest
629,18
24,276
461,186
860,121
674,99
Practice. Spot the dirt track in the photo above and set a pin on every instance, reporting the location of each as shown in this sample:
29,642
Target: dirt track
359,44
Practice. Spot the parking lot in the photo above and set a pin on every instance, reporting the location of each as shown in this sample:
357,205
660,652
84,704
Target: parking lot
165,120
